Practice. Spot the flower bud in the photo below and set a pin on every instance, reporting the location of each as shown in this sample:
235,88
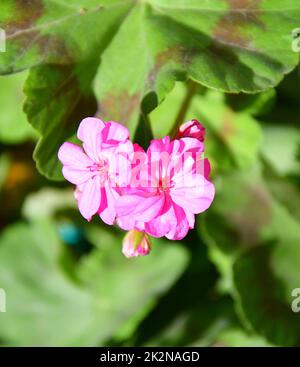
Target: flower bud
191,129
136,243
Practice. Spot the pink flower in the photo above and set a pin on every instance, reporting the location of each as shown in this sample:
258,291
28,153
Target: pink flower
191,129
174,187
136,243
99,168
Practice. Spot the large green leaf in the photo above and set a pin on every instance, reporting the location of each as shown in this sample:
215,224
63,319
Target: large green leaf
198,325
265,277
236,221
40,298
43,301
230,45
14,127
253,235
258,104
129,288
58,98
65,32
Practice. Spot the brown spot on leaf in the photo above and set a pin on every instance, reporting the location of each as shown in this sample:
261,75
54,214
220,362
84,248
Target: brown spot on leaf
229,29
174,53
243,4
119,107
53,48
23,34
26,13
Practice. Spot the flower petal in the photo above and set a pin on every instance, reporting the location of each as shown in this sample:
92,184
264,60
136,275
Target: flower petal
163,222
90,198
158,145
190,218
75,163
73,155
192,145
180,230
76,176
119,169
195,198
89,132
107,209
115,132
141,207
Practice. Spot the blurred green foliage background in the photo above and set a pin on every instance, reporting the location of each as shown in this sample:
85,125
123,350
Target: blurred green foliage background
230,281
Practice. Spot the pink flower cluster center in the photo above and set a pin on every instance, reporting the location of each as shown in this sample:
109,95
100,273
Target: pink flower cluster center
157,191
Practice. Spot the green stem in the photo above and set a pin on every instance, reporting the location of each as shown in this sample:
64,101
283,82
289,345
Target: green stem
144,133
148,126
191,89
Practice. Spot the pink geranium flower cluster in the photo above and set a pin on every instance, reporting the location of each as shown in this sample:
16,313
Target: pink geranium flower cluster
155,192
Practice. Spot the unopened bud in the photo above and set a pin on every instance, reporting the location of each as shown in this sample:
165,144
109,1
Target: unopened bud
191,129
136,243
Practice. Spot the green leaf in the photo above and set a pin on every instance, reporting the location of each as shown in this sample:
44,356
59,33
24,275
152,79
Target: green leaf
52,32
163,116
285,192
130,287
14,127
58,98
280,148
59,94
237,337
109,291
255,104
265,277
209,41
198,325
227,45
233,138
254,241
242,208
236,220
40,298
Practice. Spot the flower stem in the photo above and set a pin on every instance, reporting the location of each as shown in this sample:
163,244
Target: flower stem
144,133
191,89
